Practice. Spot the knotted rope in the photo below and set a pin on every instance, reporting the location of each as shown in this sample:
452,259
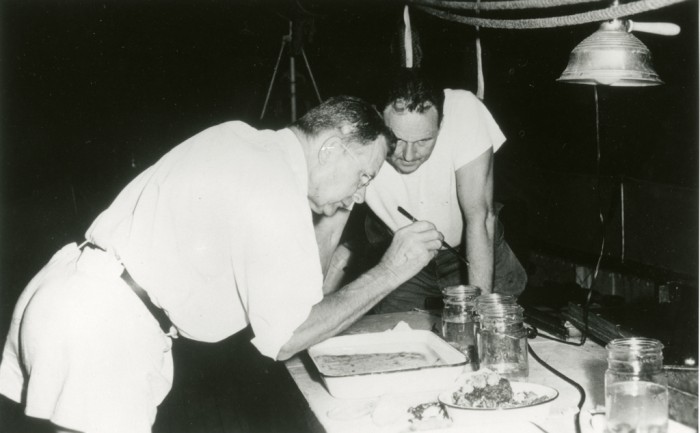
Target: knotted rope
540,23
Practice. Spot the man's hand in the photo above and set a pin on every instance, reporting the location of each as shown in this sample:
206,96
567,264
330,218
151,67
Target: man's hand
411,249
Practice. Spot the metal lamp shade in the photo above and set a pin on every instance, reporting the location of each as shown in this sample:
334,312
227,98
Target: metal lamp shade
613,57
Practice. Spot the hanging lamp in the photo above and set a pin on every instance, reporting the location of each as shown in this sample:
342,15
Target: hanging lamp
613,57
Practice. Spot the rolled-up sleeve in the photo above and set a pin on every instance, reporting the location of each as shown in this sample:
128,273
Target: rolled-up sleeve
471,130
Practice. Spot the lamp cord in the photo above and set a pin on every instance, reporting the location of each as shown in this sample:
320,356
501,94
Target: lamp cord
579,388
567,379
606,14
601,217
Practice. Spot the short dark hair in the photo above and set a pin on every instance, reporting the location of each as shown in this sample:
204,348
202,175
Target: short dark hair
357,120
411,90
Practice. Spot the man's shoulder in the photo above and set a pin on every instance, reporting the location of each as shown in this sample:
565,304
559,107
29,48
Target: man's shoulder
241,145
461,104
220,134
245,136
233,127
459,96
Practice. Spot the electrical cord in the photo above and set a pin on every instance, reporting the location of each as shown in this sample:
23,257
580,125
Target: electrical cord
601,217
608,13
532,331
567,379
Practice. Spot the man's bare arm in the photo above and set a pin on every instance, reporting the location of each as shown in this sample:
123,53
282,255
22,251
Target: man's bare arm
475,194
334,276
328,230
411,249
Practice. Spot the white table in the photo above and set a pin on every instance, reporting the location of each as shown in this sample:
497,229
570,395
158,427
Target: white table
584,364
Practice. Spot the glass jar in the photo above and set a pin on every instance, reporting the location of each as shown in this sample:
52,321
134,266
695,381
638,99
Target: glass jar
459,320
502,340
636,392
494,299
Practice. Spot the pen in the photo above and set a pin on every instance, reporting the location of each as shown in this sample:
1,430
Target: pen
447,246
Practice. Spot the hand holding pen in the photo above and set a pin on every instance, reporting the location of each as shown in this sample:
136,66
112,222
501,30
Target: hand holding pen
445,245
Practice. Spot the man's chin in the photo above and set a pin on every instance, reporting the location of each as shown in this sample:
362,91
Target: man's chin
326,211
331,210
404,168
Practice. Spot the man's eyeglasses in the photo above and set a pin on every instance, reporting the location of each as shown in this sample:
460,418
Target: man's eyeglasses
365,178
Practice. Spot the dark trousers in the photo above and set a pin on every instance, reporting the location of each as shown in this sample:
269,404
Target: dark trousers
229,387
446,270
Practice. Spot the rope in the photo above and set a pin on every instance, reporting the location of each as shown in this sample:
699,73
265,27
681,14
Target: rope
480,85
568,20
501,5
407,38
480,88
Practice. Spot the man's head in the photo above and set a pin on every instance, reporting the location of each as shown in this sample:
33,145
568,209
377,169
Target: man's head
346,141
413,111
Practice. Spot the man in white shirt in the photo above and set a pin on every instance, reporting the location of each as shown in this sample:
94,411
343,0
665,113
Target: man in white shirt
442,171
215,238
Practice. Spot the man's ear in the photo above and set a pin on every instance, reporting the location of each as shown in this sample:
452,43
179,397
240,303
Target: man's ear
331,145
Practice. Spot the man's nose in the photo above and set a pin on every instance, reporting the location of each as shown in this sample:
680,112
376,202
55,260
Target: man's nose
409,152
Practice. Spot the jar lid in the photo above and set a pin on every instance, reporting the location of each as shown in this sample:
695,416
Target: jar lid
462,290
512,312
495,299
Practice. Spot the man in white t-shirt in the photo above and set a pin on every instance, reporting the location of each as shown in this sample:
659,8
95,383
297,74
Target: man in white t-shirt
214,239
441,171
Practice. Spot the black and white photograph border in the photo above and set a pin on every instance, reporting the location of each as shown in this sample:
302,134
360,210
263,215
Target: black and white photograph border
599,183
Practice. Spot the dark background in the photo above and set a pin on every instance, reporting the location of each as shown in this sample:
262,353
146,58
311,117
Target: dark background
92,93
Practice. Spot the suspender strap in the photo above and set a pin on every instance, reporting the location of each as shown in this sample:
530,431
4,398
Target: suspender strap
157,313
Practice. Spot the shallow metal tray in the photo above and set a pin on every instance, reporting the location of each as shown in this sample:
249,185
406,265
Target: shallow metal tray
443,364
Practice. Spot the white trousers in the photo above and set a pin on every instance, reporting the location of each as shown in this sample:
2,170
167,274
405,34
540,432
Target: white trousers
83,351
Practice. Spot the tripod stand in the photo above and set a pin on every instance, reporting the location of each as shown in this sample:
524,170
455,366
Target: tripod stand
287,39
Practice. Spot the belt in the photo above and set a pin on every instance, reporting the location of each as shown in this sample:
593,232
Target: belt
163,320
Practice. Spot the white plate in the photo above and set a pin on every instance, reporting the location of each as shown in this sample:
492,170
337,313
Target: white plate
536,413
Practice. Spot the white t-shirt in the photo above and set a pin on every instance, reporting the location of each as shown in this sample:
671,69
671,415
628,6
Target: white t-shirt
220,234
430,193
